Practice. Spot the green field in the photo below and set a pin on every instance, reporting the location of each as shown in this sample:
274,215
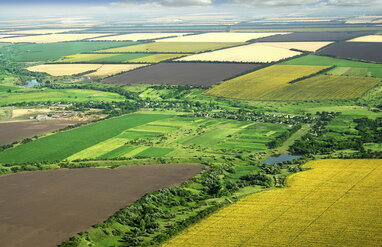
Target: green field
117,58
64,144
52,51
343,67
149,135
174,47
56,95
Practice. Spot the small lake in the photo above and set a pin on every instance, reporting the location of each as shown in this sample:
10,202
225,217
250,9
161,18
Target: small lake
280,158
33,83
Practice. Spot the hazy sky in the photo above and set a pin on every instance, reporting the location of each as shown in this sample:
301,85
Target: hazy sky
171,7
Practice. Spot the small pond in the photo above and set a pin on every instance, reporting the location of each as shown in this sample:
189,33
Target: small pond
280,158
32,83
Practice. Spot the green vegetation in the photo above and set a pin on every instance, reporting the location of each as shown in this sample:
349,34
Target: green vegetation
52,51
61,145
18,95
343,66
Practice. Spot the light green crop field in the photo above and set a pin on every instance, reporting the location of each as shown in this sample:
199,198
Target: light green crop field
56,95
177,47
149,135
64,144
52,51
343,66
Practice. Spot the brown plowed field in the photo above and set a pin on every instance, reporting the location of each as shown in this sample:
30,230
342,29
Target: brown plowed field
45,208
17,131
368,51
314,36
194,74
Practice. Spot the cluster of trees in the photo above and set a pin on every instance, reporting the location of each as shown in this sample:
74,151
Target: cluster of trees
278,141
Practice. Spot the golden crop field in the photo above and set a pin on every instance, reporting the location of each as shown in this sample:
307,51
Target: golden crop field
334,203
219,37
43,31
178,47
52,38
303,46
112,69
253,53
64,69
156,58
83,58
261,84
368,38
140,36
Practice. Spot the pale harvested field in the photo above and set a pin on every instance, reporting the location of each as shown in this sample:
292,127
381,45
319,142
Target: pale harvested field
303,46
42,31
64,69
140,36
21,112
51,38
253,53
5,36
368,38
219,37
112,69
334,203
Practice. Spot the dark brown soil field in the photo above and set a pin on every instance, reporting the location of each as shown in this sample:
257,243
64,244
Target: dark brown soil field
368,51
314,36
45,208
194,74
17,131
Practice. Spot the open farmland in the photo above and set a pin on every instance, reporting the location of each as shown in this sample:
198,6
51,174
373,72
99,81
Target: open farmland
140,36
335,203
64,144
343,66
253,53
195,74
64,69
118,58
367,51
313,36
368,38
57,95
65,202
220,37
51,51
112,69
172,47
302,46
273,83
17,131
43,31
52,38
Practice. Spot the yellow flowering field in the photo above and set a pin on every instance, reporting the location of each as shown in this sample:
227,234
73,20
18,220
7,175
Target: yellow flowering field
334,203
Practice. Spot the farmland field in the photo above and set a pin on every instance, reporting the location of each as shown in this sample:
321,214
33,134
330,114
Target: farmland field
52,38
367,51
173,47
314,36
117,58
220,37
368,38
253,53
303,46
43,31
51,51
57,95
112,69
196,74
16,131
140,36
70,201
263,84
342,65
335,203
64,69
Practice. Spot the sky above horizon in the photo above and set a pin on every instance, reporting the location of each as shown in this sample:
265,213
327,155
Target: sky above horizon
238,7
